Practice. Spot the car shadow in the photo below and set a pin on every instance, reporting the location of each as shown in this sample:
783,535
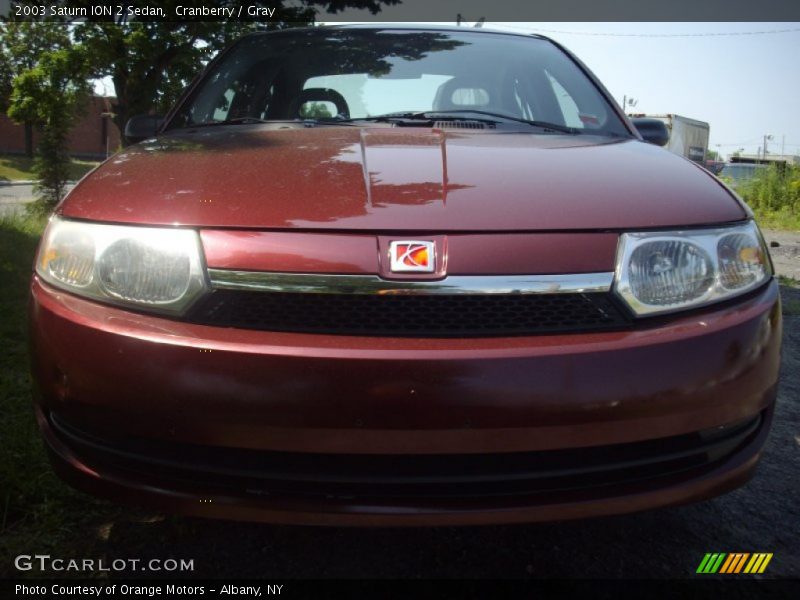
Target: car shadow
762,516
665,543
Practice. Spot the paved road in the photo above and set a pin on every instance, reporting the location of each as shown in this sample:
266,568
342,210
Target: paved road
14,197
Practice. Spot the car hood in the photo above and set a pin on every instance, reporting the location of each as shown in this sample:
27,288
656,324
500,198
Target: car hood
399,179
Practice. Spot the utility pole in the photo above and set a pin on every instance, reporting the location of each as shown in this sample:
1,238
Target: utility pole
628,102
767,137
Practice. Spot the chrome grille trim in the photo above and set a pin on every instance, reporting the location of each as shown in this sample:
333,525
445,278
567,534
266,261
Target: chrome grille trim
320,283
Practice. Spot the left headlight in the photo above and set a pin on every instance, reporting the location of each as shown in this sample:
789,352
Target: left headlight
151,268
660,272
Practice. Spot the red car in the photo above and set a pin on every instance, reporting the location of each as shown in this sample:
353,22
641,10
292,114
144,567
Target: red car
402,276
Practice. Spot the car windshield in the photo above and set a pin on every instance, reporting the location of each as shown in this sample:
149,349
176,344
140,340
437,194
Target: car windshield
343,75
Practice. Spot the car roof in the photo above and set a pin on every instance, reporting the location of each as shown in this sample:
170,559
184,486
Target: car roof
398,26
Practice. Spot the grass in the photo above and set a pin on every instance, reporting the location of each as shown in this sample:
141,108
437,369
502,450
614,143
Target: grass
38,513
781,220
774,196
20,168
788,281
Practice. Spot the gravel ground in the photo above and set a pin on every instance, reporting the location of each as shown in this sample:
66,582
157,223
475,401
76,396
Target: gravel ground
763,516
785,252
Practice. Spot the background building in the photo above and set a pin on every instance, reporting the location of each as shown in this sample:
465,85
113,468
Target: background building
789,159
95,136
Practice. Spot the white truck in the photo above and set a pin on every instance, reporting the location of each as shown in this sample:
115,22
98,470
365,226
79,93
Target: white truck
687,137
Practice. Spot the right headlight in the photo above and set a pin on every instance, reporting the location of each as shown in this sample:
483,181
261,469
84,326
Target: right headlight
659,272
157,269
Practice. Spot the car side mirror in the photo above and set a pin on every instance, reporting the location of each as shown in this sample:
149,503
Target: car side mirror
652,131
142,127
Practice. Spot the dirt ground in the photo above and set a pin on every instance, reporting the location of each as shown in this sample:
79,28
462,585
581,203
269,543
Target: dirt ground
786,255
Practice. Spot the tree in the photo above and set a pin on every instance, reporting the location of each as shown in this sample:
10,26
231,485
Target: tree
151,63
51,95
22,43
6,79
45,67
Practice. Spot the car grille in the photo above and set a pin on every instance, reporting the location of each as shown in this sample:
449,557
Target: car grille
460,476
410,315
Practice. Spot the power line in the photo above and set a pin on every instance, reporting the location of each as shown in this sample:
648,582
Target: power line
751,143
668,35
740,143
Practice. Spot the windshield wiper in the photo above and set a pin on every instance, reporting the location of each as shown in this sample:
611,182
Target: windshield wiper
237,121
461,115
423,116
252,120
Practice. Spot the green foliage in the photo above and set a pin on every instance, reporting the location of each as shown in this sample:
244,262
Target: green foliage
774,195
50,95
6,78
36,509
152,63
778,220
21,45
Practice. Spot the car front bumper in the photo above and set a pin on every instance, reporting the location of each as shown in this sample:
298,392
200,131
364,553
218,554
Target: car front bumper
346,430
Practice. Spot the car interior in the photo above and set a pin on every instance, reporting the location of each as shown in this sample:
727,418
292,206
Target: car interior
328,85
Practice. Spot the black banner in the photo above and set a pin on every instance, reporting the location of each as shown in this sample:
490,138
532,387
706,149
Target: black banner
701,587
406,10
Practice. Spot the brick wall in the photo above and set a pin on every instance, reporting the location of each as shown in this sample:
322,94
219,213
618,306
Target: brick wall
86,140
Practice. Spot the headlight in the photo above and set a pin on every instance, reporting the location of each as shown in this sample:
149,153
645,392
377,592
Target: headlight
157,269
660,272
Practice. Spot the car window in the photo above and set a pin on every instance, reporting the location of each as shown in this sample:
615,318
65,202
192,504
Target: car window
327,73
372,96
224,106
569,109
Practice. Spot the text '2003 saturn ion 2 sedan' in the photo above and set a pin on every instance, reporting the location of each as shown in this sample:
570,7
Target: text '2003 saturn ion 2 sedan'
402,276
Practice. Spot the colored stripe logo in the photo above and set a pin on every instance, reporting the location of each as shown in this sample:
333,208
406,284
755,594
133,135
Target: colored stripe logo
734,563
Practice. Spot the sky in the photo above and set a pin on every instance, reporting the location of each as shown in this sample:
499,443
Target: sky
745,84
